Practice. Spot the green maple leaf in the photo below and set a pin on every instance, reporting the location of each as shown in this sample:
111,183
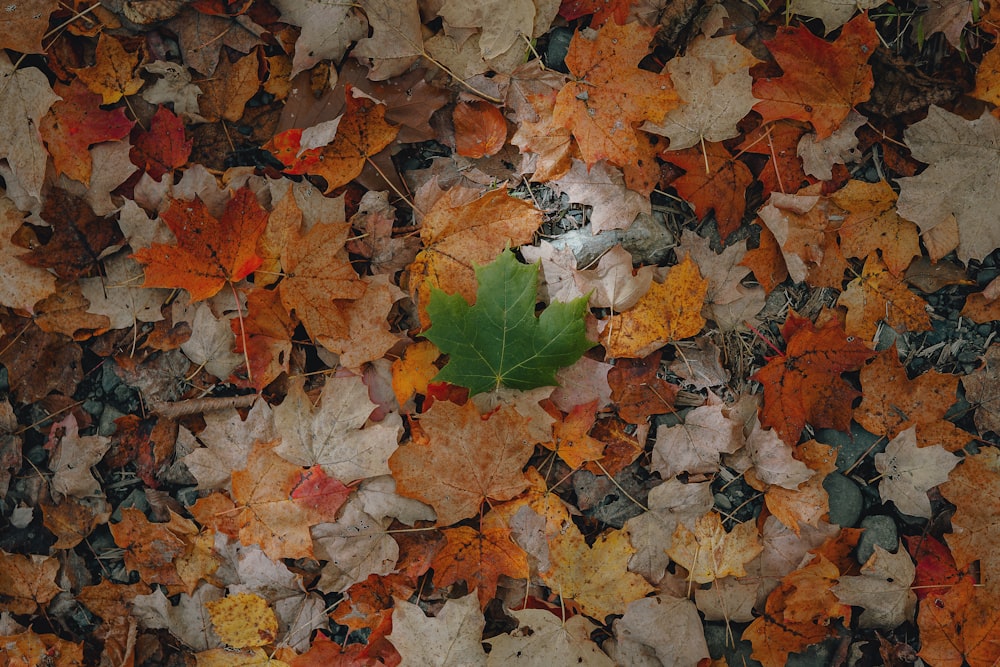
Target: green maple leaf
499,340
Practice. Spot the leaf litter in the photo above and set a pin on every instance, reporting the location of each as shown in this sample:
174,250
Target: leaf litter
255,274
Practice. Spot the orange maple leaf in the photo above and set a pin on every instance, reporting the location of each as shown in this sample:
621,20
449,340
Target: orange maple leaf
362,133
822,81
715,180
479,557
798,613
960,626
480,129
804,384
610,95
210,252
877,295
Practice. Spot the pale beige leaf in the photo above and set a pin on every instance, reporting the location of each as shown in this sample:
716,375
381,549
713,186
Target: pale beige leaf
883,589
603,188
450,638
543,640
908,472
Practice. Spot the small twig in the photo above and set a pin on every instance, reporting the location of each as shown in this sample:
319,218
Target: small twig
192,406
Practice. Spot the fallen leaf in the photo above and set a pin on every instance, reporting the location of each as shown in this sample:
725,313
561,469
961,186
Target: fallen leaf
21,285
319,278
670,504
962,156
28,98
713,181
878,296
463,459
713,81
820,155
609,94
804,384
959,626
602,187
975,530
25,24
509,346
638,392
667,624
883,589
112,76
908,472
361,133
459,235
696,445
480,557
502,22
243,620
452,637
709,552
27,582
822,82
981,390
669,311
800,612
74,124
334,433
540,635
480,128
210,251
227,92
277,502
164,147
327,30
872,223
594,577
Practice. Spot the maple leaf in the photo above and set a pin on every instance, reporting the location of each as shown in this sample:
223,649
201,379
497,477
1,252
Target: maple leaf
21,285
541,634
112,75
227,92
479,557
960,626
327,30
480,129
709,552
278,502
883,589
24,24
876,295
822,81
594,577
502,22
210,252
153,549
670,504
243,620
908,472
164,147
361,133
873,224
603,188
74,124
665,625
799,612
335,435
891,402
27,581
638,392
499,340
974,489
668,312
713,181
27,97
804,384
609,95
713,82
452,637
695,445
981,389
463,459
962,155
